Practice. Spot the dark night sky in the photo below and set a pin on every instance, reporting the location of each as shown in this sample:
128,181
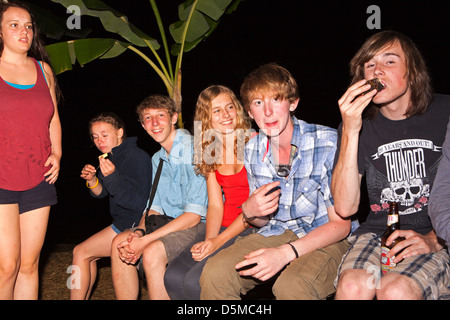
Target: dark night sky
315,40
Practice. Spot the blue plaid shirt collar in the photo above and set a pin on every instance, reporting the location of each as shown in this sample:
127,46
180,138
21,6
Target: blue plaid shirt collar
265,152
305,193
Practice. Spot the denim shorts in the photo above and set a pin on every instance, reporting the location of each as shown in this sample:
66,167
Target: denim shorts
43,195
115,229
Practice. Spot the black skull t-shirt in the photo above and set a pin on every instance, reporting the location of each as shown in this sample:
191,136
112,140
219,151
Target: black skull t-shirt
400,159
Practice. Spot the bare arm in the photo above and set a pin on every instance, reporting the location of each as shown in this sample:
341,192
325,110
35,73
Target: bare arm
331,232
54,129
88,173
205,248
346,180
214,215
271,260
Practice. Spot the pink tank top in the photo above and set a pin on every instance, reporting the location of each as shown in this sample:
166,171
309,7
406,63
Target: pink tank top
24,133
235,188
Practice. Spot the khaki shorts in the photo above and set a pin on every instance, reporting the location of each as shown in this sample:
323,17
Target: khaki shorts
176,242
430,271
308,277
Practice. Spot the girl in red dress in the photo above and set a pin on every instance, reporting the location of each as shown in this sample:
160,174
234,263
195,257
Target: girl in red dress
222,129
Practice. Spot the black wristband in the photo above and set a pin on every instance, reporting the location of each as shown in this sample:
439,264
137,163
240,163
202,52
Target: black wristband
293,248
141,230
248,219
245,217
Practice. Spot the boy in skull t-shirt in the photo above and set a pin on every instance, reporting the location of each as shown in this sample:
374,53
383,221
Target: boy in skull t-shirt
400,159
393,136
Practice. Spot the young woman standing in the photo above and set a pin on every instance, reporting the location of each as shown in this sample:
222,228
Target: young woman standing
30,148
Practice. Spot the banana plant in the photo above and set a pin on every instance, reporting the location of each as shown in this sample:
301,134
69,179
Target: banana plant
198,19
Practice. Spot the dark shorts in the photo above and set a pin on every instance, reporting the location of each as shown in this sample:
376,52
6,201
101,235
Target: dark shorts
43,195
176,242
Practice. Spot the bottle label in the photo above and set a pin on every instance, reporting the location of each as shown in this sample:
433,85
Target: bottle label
386,263
392,218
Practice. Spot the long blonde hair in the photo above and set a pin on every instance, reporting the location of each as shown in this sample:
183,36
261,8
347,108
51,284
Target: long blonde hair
203,114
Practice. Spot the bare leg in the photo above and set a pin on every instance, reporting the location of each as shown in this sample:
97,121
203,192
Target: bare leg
125,276
33,226
355,284
85,256
395,286
9,249
155,262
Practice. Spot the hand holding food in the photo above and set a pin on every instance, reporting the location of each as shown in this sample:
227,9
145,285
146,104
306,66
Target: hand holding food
106,166
374,84
104,156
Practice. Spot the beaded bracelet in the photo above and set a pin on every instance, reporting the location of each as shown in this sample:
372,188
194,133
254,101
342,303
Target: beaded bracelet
87,184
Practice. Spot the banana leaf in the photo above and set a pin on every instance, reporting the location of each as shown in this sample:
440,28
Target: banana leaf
204,20
65,54
53,25
113,21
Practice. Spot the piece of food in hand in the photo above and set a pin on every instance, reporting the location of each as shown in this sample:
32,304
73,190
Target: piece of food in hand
374,84
104,156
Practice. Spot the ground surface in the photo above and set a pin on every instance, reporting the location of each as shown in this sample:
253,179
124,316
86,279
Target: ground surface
55,260
54,275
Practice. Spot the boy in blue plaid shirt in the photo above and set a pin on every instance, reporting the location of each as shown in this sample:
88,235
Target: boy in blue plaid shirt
289,168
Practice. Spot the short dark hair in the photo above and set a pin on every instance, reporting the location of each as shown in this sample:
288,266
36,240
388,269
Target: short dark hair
156,101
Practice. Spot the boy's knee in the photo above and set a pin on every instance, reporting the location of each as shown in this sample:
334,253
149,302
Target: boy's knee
398,287
119,238
353,284
154,253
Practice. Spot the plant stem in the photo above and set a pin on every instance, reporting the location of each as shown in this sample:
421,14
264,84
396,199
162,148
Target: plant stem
161,74
163,36
183,39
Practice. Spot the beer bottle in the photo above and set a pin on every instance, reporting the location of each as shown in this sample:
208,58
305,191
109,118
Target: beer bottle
392,225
